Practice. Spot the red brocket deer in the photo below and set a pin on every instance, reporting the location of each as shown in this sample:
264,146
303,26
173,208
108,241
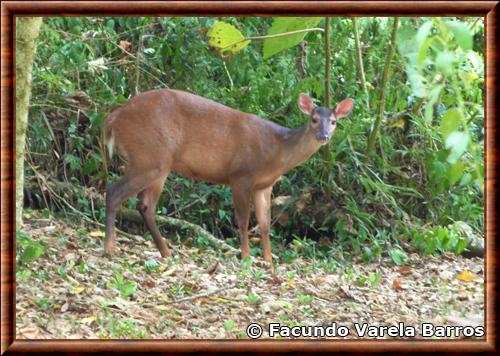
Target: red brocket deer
168,130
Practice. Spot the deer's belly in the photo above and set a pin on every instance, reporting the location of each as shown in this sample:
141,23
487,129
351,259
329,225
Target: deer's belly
201,172
266,181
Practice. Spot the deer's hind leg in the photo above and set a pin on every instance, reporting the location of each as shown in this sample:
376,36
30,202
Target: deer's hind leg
148,198
126,187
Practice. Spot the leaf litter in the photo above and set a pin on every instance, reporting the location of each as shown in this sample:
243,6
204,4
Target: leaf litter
73,292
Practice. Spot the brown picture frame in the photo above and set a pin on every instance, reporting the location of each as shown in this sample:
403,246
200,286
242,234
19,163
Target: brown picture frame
11,9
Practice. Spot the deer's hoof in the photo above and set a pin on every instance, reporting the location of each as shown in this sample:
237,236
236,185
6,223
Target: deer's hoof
165,253
109,251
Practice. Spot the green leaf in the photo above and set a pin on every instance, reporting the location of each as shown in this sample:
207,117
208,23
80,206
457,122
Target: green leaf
462,34
438,169
433,97
128,288
405,38
74,162
451,122
456,142
417,82
229,325
423,33
226,38
422,52
466,179
150,265
32,252
110,24
461,245
90,167
22,238
287,24
361,281
455,172
398,256
444,62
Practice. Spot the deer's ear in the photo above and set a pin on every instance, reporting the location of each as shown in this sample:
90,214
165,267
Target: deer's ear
306,104
344,108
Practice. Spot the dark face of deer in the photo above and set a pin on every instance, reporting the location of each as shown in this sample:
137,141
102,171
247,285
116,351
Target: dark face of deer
323,121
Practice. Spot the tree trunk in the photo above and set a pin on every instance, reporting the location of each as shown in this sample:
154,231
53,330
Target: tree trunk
359,58
385,81
27,29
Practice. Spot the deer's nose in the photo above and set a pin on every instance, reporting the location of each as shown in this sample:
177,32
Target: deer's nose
323,137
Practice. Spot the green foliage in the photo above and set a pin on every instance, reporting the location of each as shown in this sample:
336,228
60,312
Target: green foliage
305,299
398,256
438,240
374,278
117,328
229,325
33,250
439,60
253,298
452,119
462,34
273,46
226,38
126,288
151,265
22,276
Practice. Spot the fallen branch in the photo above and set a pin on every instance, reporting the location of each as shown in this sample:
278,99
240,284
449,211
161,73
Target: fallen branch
205,294
59,192
134,216
475,247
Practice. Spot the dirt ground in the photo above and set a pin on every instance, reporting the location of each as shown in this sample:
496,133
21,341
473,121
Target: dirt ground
72,291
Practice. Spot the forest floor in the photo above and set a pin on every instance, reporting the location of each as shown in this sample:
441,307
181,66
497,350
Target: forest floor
73,291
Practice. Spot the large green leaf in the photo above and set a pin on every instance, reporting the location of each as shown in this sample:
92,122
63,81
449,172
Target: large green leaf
444,62
423,32
418,83
457,144
226,38
433,98
455,172
462,34
287,24
32,252
451,122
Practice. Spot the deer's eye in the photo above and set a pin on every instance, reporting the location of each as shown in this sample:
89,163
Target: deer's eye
314,120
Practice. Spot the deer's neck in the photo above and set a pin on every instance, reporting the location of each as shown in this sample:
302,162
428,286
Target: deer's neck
299,144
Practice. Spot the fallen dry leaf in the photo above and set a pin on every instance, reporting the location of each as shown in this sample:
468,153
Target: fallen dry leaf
404,270
466,276
396,284
96,233
125,45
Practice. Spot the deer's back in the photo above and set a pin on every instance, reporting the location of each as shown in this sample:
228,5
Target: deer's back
197,137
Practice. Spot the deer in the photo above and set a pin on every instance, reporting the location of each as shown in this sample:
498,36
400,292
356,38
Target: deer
167,130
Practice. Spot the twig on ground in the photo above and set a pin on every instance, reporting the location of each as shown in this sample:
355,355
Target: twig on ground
132,215
205,294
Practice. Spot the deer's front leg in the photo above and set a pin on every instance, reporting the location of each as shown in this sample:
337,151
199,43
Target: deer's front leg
262,201
241,198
